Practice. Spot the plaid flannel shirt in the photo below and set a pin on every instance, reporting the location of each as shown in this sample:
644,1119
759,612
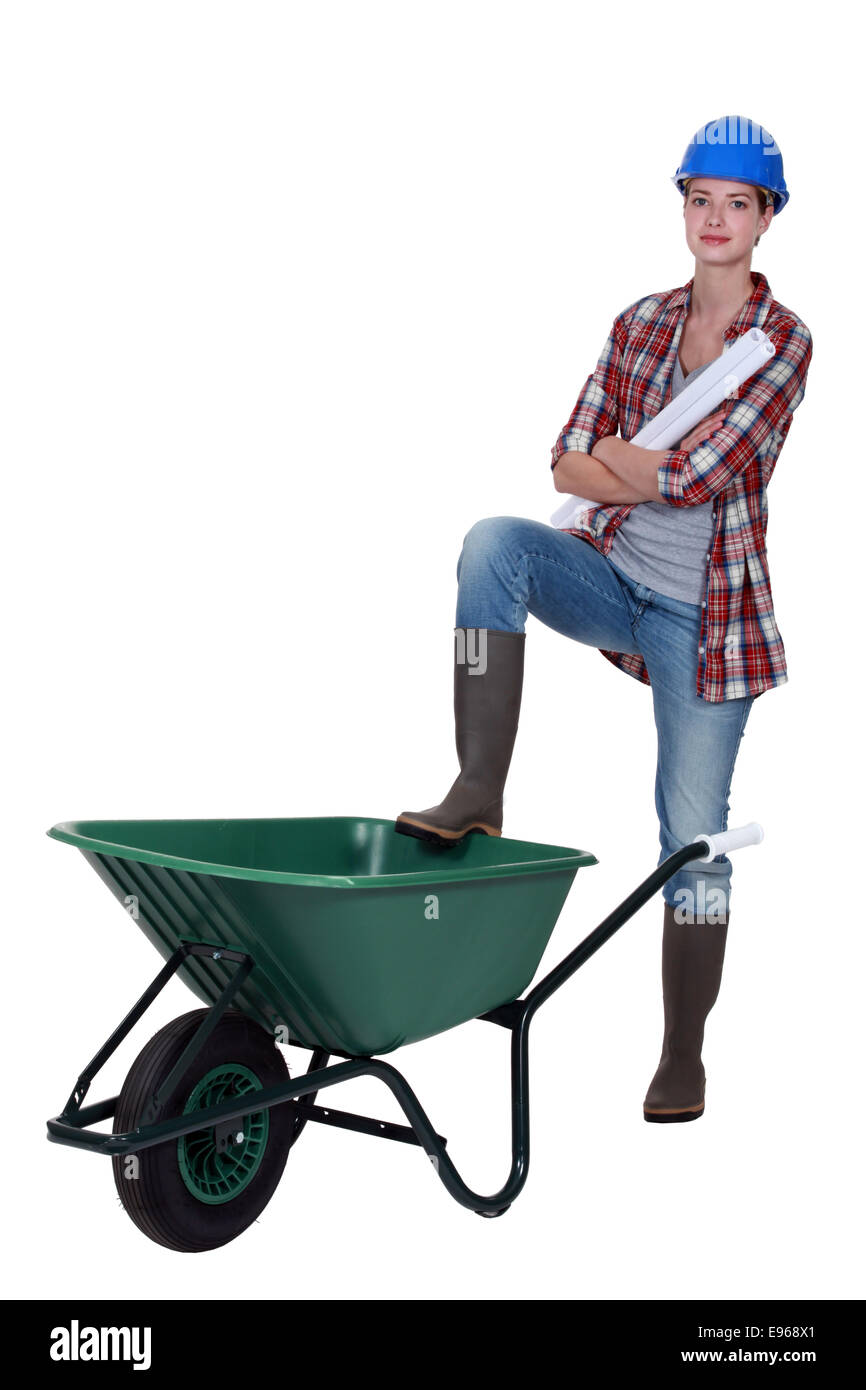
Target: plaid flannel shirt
740,649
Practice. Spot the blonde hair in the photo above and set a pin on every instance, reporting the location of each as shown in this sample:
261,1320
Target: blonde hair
763,195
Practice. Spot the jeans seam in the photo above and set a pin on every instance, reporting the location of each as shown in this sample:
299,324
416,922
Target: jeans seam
537,555
746,709
551,560
638,614
619,606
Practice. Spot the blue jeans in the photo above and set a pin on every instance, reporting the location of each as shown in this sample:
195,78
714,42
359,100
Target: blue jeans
510,566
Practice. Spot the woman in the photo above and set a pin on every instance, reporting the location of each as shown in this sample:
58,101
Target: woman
666,574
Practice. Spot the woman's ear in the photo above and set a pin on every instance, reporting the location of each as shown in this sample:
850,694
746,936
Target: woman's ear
764,221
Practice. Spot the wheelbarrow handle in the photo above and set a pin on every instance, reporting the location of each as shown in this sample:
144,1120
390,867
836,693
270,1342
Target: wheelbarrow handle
751,834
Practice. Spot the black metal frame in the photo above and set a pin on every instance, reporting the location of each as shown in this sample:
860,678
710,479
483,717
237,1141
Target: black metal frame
72,1125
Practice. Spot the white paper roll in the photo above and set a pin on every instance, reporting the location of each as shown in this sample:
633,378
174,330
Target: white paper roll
725,375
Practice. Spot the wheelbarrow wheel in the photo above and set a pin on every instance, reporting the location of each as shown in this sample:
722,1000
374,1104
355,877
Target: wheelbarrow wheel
202,1190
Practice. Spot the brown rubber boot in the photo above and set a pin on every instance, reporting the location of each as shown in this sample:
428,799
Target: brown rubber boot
488,685
692,957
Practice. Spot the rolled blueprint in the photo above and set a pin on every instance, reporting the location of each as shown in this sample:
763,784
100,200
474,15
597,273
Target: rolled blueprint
722,378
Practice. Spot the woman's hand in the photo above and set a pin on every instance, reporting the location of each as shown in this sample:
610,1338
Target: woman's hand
702,431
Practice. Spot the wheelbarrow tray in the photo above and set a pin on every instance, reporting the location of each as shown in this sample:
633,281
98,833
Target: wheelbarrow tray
363,939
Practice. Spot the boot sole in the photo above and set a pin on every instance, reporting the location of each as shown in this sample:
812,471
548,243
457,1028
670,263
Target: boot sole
422,831
665,1117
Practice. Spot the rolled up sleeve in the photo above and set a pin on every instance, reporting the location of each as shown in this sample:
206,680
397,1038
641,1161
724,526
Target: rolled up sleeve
762,416
595,414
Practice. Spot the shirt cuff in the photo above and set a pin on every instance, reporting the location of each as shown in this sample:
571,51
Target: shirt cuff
583,441
670,476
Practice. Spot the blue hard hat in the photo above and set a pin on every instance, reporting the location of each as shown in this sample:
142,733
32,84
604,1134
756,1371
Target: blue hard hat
733,147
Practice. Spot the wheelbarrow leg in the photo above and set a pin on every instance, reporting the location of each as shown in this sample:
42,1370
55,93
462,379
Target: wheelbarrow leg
434,1146
319,1059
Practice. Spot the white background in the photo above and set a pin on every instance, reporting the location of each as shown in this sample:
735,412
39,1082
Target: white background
292,295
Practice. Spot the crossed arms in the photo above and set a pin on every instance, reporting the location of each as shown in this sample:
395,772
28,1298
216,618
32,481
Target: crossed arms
615,472
609,471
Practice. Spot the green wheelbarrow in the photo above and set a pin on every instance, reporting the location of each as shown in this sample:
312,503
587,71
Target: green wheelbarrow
333,934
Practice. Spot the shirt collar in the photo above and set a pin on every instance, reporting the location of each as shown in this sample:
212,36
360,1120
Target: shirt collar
752,314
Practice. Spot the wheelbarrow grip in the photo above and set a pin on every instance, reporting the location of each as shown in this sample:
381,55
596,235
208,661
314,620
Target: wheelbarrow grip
751,834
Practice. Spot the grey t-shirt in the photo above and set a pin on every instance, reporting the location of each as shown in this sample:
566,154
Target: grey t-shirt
666,547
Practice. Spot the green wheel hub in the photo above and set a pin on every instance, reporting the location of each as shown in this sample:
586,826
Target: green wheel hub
210,1175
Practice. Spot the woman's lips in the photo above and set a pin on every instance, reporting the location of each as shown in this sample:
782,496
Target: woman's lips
715,240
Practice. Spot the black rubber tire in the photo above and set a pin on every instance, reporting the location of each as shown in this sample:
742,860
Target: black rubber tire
157,1199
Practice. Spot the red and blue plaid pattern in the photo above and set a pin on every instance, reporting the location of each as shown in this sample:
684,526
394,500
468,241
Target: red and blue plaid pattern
740,651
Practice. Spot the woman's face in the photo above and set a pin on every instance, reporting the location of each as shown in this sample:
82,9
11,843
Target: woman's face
722,220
